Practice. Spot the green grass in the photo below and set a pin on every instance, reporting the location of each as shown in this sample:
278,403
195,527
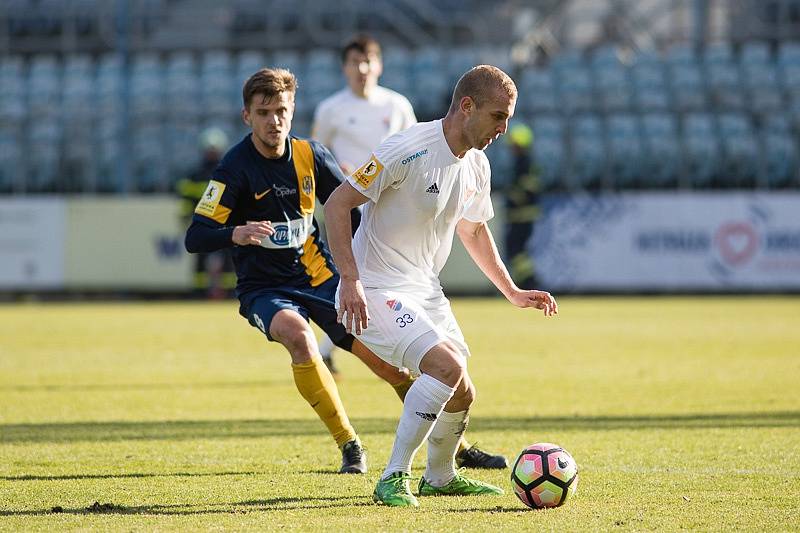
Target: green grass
683,413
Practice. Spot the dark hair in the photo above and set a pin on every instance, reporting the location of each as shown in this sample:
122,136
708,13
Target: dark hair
361,43
269,82
482,82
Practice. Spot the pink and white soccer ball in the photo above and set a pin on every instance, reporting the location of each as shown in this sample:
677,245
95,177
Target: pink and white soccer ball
544,475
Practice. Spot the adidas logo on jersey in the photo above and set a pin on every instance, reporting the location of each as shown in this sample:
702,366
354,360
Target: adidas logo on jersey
434,189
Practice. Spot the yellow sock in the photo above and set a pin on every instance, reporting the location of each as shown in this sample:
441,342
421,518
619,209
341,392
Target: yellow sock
315,383
402,388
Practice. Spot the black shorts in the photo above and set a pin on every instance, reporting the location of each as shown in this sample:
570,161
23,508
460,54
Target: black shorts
315,303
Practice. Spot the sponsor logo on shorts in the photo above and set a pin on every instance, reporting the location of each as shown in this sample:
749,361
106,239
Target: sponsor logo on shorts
394,304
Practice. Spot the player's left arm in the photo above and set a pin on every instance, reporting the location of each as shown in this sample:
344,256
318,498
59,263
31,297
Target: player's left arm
478,240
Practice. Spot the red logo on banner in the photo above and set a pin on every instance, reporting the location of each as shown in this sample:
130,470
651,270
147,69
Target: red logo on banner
737,242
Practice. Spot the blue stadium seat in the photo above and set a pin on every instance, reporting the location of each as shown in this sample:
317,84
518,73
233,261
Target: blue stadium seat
44,85
11,159
588,152
688,90
755,52
537,91
149,159
549,153
789,52
43,156
724,85
460,60
763,88
146,88
681,54
575,88
289,59
718,53
649,85
13,90
625,152
79,96
662,149
742,164
613,86
781,160
703,156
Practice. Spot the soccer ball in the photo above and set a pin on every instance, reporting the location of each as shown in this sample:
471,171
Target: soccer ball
544,475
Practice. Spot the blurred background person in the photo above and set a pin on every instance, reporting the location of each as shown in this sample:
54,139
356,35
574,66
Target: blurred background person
354,120
213,273
522,209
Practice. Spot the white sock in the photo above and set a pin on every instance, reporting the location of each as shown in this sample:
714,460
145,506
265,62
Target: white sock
326,346
442,445
424,403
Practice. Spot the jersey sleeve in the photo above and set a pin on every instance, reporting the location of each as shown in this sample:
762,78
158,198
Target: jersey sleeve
219,199
480,209
382,170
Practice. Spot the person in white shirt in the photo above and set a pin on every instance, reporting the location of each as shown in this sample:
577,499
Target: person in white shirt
352,123
354,120
422,186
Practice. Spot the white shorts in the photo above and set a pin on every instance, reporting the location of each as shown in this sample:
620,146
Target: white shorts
403,326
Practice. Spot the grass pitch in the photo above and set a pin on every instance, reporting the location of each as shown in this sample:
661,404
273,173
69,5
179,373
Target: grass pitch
682,413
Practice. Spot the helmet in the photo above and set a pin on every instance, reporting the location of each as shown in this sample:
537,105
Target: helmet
520,135
213,139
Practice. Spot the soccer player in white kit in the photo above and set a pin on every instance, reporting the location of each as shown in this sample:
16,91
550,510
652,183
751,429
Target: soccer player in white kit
352,123
420,187
354,120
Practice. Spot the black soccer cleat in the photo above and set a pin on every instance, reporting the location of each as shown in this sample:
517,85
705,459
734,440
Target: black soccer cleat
354,459
473,457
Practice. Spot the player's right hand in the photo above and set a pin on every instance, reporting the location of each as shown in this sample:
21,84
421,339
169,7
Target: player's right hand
352,311
252,233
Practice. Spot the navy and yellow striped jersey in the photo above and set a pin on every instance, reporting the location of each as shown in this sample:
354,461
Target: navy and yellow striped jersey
246,186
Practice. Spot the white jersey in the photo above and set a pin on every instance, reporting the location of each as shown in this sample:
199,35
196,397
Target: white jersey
419,190
351,127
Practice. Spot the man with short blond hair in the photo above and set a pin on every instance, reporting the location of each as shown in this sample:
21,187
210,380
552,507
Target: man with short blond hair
419,188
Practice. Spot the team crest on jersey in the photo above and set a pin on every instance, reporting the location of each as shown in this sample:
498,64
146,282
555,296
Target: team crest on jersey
308,185
210,199
366,174
394,304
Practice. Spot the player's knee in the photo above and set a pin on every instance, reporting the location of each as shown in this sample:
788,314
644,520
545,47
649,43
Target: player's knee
465,393
445,363
295,335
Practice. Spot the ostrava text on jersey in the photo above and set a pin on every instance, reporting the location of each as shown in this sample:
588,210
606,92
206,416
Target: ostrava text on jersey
247,186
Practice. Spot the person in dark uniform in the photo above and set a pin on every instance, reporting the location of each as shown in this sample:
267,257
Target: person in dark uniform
260,203
522,207
213,276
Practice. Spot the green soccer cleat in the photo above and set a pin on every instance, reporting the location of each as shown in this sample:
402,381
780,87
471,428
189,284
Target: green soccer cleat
459,486
394,491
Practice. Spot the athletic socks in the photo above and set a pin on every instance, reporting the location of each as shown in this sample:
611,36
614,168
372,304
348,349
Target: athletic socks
442,444
316,385
423,404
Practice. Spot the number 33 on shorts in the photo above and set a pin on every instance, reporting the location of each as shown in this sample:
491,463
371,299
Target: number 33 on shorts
404,320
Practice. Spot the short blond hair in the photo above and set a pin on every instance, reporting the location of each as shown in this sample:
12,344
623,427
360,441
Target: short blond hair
481,83
269,82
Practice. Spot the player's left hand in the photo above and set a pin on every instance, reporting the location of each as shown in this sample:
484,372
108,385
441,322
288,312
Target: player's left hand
538,299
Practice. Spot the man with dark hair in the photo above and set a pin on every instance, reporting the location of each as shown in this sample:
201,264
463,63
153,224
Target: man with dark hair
352,121
422,186
260,203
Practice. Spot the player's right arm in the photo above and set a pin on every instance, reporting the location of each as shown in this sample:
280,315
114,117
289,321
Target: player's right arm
211,229
352,311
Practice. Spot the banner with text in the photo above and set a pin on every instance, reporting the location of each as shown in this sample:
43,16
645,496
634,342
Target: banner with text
669,241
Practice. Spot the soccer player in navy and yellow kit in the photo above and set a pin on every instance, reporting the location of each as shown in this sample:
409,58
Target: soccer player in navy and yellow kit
260,201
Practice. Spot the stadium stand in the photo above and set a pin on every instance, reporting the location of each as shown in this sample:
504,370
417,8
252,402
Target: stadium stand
621,113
